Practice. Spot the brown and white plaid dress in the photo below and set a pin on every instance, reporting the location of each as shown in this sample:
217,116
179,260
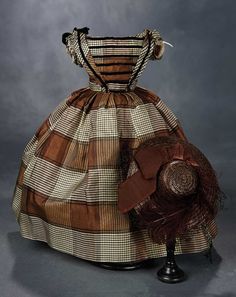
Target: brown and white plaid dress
67,187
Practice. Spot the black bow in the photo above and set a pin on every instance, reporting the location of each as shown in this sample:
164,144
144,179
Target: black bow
64,35
84,30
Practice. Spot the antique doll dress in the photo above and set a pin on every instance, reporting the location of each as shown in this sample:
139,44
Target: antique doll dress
67,186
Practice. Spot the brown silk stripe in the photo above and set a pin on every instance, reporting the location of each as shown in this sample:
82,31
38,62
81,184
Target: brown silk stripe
195,242
95,246
81,216
74,214
118,76
115,73
120,66
58,147
116,68
112,80
99,153
114,64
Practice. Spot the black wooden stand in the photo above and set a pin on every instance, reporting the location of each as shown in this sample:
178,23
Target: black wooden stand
170,272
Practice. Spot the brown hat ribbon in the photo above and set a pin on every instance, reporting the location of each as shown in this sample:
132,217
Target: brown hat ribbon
139,186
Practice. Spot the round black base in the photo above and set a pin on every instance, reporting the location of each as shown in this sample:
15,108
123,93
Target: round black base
120,266
171,273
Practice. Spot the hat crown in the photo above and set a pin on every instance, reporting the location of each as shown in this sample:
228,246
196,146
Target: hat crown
178,179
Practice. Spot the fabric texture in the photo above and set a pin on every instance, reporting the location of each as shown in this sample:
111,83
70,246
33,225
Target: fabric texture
66,191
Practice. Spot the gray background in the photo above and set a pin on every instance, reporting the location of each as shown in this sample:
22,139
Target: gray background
195,79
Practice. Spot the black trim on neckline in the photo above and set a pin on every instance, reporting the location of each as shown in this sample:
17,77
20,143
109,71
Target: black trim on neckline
115,46
115,72
109,56
121,81
113,37
119,91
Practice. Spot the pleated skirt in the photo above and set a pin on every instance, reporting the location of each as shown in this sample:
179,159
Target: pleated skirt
66,190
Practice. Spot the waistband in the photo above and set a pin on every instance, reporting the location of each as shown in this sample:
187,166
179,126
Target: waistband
115,87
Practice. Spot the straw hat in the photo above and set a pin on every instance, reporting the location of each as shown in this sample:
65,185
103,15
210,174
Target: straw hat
173,190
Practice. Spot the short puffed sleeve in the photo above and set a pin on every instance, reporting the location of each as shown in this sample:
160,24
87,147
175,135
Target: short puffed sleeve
71,42
159,46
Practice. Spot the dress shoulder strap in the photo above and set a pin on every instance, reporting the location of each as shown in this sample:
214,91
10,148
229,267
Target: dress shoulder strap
78,48
150,41
143,57
87,59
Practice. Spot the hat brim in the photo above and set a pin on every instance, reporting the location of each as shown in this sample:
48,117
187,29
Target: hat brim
137,187
134,190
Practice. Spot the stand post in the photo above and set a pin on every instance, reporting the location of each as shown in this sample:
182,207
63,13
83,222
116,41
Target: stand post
170,272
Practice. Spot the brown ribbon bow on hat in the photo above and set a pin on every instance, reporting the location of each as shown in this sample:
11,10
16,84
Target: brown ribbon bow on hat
143,183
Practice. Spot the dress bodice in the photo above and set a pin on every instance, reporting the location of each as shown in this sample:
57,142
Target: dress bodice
113,63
